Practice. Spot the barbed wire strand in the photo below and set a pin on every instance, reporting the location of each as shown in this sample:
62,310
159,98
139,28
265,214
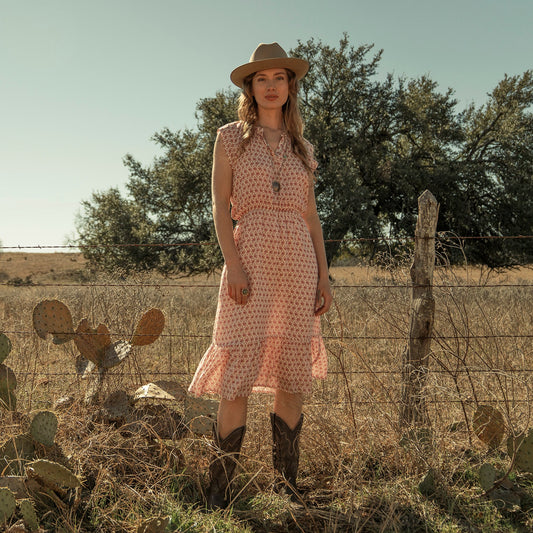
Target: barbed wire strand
326,337
500,372
439,237
217,285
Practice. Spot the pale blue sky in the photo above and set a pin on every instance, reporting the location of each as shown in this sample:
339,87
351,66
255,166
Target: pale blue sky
85,82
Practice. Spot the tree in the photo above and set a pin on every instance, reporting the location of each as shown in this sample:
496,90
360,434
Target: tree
379,144
167,204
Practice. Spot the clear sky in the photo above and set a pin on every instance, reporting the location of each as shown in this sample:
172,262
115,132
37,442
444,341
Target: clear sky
82,83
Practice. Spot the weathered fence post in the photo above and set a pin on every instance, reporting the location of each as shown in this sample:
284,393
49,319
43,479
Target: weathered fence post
415,356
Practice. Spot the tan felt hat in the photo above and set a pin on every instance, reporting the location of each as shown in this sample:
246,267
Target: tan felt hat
269,56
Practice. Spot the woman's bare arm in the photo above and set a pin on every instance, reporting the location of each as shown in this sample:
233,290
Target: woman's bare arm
221,183
324,297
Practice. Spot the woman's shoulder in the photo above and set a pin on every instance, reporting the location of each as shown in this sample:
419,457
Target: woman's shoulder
231,128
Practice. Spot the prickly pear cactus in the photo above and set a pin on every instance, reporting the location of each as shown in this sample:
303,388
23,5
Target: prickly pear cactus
149,328
487,476
427,486
117,406
5,347
115,353
43,427
8,504
14,453
53,316
8,384
15,484
489,425
53,473
521,447
92,343
27,510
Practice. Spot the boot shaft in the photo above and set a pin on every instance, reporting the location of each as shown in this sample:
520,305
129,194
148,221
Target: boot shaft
286,447
222,467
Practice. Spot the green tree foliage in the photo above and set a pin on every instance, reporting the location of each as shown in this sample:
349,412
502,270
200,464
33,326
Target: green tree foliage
379,144
168,205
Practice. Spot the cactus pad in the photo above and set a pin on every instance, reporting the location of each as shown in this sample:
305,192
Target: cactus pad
427,486
14,453
53,473
8,384
43,427
53,316
87,342
200,414
521,448
8,504
15,484
8,400
489,425
505,499
8,380
152,392
92,343
149,328
27,510
487,476
117,406
5,347
115,354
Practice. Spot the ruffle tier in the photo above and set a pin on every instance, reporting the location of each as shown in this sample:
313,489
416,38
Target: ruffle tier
266,366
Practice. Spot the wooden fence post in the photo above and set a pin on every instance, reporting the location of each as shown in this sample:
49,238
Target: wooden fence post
416,354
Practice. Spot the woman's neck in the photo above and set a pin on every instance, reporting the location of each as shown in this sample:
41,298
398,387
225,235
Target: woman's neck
272,121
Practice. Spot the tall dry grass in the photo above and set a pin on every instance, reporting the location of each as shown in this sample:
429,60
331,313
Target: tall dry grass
355,475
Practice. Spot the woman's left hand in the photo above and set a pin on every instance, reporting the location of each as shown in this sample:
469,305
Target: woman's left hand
324,298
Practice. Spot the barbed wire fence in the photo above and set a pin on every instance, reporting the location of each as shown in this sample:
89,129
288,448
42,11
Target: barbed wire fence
344,344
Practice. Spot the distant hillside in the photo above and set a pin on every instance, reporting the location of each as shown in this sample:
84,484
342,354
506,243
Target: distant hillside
24,268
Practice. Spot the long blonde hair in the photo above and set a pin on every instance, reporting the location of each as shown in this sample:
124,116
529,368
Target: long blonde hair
292,118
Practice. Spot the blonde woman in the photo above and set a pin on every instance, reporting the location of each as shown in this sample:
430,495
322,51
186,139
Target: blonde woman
275,280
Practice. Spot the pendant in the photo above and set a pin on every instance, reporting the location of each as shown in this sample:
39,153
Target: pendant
276,186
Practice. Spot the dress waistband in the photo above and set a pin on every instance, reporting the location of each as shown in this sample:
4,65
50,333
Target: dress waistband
270,211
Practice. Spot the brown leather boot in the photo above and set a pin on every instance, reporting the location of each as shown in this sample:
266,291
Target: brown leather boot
286,453
222,467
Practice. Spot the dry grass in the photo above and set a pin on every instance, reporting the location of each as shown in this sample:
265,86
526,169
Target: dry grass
354,473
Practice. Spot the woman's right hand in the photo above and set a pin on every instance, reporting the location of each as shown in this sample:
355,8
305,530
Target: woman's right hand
237,283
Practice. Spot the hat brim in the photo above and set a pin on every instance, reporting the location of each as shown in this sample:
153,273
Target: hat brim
298,66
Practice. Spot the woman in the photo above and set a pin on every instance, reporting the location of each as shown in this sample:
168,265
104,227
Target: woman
275,281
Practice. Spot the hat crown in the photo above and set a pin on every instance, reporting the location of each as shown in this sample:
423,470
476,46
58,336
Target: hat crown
268,51
267,56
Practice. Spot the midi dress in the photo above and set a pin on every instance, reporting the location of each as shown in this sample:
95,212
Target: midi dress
274,340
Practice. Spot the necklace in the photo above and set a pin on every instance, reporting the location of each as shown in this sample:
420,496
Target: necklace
278,164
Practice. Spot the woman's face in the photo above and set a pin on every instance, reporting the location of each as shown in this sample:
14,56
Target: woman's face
270,88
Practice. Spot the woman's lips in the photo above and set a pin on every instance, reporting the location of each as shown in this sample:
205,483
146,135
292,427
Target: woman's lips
271,97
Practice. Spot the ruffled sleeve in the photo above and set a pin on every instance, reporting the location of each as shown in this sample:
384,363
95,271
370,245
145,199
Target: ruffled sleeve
231,135
313,163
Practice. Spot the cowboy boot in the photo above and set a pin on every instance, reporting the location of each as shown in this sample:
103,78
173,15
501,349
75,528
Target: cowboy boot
222,467
286,453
